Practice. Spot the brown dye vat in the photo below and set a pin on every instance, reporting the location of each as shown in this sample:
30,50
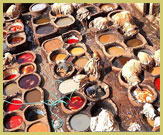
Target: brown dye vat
32,114
81,61
28,81
32,96
134,42
64,21
42,20
53,44
38,127
119,62
45,29
10,89
15,40
107,38
115,50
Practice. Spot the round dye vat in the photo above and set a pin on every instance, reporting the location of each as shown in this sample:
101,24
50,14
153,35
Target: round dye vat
75,102
68,86
45,29
142,95
27,69
53,44
157,83
16,28
32,114
11,89
155,71
115,50
76,51
64,21
9,77
24,58
29,81
107,38
15,40
33,96
15,104
107,7
80,122
72,39
39,7
58,57
120,61
134,42
81,62
38,127
13,121
42,20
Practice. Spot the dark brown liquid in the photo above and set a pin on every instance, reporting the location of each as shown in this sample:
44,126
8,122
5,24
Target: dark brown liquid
15,40
134,42
33,96
120,61
46,29
33,114
28,81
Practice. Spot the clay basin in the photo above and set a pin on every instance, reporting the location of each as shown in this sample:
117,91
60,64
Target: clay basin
138,97
29,81
37,8
72,36
40,20
27,68
75,104
38,126
78,122
101,94
16,39
124,83
34,113
77,49
57,55
16,27
105,104
17,121
45,29
136,41
10,74
62,74
114,49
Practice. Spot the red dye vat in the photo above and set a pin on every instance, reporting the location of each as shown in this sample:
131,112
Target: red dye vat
15,104
15,28
13,122
10,77
24,58
157,84
71,41
75,103
4,34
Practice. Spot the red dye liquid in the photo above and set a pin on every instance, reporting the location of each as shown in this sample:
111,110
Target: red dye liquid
13,122
4,35
71,41
24,58
14,106
15,28
10,77
157,84
75,103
